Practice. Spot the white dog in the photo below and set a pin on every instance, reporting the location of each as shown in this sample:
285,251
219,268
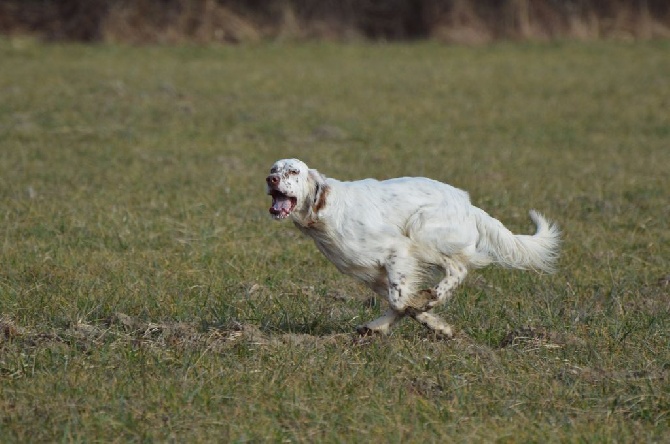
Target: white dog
394,235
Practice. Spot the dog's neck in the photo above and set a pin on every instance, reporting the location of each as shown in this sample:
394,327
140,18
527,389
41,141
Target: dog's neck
316,201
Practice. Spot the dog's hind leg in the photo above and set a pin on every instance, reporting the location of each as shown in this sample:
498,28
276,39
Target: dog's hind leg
431,322
441,293
425,300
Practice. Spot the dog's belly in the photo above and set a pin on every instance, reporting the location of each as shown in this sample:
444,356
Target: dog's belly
365,266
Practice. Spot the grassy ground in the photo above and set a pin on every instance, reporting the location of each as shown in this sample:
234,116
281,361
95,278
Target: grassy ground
145,294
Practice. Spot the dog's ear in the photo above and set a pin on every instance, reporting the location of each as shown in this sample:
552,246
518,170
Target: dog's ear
320,189
315,176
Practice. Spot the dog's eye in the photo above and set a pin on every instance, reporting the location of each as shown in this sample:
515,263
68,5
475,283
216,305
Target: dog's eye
293,171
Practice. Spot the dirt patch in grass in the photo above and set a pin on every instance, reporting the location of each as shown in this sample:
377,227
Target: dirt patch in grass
172,335
529,338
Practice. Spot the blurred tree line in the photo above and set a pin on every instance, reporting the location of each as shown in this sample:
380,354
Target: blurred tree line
232,21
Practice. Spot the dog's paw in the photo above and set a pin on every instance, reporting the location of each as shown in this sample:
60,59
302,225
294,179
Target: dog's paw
437,326
443,333
365,335
364,330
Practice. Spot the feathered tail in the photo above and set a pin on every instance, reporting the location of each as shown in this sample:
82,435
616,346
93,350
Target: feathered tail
536,252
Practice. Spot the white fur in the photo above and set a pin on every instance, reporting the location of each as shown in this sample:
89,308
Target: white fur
394,234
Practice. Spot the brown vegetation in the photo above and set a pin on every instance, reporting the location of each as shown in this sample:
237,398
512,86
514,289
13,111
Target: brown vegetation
232,21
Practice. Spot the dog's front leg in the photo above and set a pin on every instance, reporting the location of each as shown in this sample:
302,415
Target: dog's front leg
381,325
398,269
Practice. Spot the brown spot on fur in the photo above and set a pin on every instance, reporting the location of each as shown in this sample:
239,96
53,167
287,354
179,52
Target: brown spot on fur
322,199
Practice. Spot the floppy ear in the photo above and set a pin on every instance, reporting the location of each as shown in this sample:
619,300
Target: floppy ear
315,176
318,189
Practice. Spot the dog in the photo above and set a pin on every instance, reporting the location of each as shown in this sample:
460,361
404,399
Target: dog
411,239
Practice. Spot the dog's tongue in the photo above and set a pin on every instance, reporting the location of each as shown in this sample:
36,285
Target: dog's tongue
280,204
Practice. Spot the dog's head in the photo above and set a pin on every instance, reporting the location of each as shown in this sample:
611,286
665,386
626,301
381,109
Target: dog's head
292,187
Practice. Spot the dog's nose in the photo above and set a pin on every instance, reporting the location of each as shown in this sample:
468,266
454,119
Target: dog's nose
272,179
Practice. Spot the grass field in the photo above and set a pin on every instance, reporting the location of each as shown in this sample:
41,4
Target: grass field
146,295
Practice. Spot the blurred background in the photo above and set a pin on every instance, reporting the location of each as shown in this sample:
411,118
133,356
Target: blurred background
243,21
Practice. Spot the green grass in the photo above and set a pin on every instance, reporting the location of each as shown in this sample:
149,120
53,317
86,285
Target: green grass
145,294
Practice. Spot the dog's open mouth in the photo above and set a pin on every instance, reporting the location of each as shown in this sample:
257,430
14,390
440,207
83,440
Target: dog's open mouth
282,205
